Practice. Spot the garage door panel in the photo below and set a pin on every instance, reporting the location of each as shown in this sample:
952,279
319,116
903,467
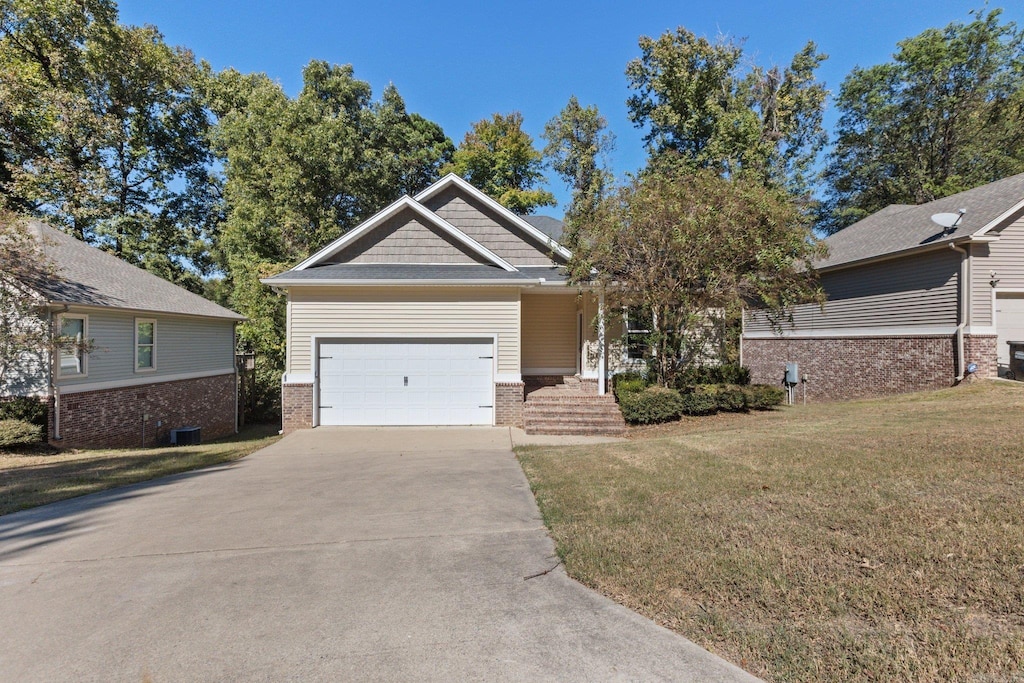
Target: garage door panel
1009,323
396,382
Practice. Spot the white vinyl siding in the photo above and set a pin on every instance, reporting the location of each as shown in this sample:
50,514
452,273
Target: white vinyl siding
186,345
489,229
550,337
1005,256
915,291
403,311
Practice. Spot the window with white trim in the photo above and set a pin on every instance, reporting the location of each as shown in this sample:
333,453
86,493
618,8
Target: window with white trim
73,331
145,344
638,333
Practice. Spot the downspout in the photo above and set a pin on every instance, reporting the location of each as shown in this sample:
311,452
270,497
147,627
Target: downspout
234,359
602,370
54,387
961,313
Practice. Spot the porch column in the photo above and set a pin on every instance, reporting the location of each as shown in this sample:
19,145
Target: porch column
602,370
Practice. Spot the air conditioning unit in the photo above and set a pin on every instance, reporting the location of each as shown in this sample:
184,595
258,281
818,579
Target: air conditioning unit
185,436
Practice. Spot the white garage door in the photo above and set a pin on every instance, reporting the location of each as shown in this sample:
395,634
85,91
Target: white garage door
407,382
1009,324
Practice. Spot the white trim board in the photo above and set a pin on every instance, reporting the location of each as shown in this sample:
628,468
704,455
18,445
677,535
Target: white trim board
392,210
139,381
932,331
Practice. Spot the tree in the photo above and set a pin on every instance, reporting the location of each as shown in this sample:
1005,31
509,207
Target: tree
946,115
497,156
578,144
26,338
103,134
690,249
700,104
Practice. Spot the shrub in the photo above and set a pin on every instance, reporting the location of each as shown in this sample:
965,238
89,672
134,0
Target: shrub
715,374
700,400
19,433
731,397
653,404
764,396
628,383
23,408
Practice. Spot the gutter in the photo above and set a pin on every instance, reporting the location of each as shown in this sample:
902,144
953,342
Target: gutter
272,282
961,312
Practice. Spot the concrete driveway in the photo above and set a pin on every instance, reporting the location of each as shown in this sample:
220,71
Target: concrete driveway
336,554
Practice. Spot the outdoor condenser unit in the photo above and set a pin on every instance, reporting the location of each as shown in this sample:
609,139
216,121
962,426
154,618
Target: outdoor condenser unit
186,436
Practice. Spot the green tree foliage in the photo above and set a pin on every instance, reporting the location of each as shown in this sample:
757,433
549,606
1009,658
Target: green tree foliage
700,102
946,115
578,145
102,133
690,249
498,157
299,172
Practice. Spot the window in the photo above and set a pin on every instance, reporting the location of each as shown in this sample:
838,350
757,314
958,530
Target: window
145,345
73,332
638,332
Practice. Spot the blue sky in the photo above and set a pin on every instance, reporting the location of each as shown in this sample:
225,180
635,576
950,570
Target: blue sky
458,62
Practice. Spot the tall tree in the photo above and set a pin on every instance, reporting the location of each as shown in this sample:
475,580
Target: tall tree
946,115
690,248
699,102
498,157
103,133
578,145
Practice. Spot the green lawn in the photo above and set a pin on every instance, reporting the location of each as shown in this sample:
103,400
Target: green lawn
28,479
864,541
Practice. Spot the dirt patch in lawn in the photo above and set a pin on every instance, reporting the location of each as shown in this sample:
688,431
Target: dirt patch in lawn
862,541
45,475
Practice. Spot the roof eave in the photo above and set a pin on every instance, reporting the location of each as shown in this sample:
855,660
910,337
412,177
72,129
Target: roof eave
920,249
334,282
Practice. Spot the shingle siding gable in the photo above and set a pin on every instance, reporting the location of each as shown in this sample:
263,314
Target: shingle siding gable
405,238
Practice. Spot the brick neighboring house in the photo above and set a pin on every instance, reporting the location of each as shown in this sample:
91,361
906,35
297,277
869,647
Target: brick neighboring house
162,357
445,309
910,305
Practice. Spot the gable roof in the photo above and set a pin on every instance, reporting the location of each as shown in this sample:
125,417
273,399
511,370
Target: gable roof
88,276
453,180
901,228
393,209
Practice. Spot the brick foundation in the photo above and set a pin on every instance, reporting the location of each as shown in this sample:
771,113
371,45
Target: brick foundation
841,368
113,418
508,404
296,407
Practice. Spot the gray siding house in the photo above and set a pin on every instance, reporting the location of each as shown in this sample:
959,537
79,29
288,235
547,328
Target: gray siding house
911,305
161,357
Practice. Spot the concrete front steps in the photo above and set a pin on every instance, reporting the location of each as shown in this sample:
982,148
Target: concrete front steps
571,409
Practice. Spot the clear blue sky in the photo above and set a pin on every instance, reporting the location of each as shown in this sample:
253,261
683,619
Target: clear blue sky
458,62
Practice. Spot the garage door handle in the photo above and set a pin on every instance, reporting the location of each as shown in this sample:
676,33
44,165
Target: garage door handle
328,407
487,356
326,357
485,406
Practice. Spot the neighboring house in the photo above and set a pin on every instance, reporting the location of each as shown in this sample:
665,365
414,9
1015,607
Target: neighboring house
161,357
442,309
910,305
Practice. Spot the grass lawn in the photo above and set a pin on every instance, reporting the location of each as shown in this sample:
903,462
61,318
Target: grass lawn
864,541
28,479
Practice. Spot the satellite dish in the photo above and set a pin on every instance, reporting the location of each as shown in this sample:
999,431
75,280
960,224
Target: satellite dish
948,221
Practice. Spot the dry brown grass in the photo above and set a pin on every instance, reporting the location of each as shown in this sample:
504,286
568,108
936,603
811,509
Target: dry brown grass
32,478
863,541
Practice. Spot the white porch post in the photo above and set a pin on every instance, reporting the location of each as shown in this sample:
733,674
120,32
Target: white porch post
602,370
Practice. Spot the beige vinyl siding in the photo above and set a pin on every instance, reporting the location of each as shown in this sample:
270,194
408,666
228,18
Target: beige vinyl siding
914,291
404,311
183,346
549,332
405,238
489,229
1005,256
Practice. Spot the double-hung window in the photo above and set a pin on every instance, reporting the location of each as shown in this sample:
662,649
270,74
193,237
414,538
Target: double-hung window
73,331
638,333
145,344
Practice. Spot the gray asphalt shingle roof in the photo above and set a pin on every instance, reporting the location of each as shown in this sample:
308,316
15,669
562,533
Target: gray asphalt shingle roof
902,227
552,227
387,271
91,277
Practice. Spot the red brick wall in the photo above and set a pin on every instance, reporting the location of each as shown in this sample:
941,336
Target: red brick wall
113,418
508,404
984,351
854,367
296,407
